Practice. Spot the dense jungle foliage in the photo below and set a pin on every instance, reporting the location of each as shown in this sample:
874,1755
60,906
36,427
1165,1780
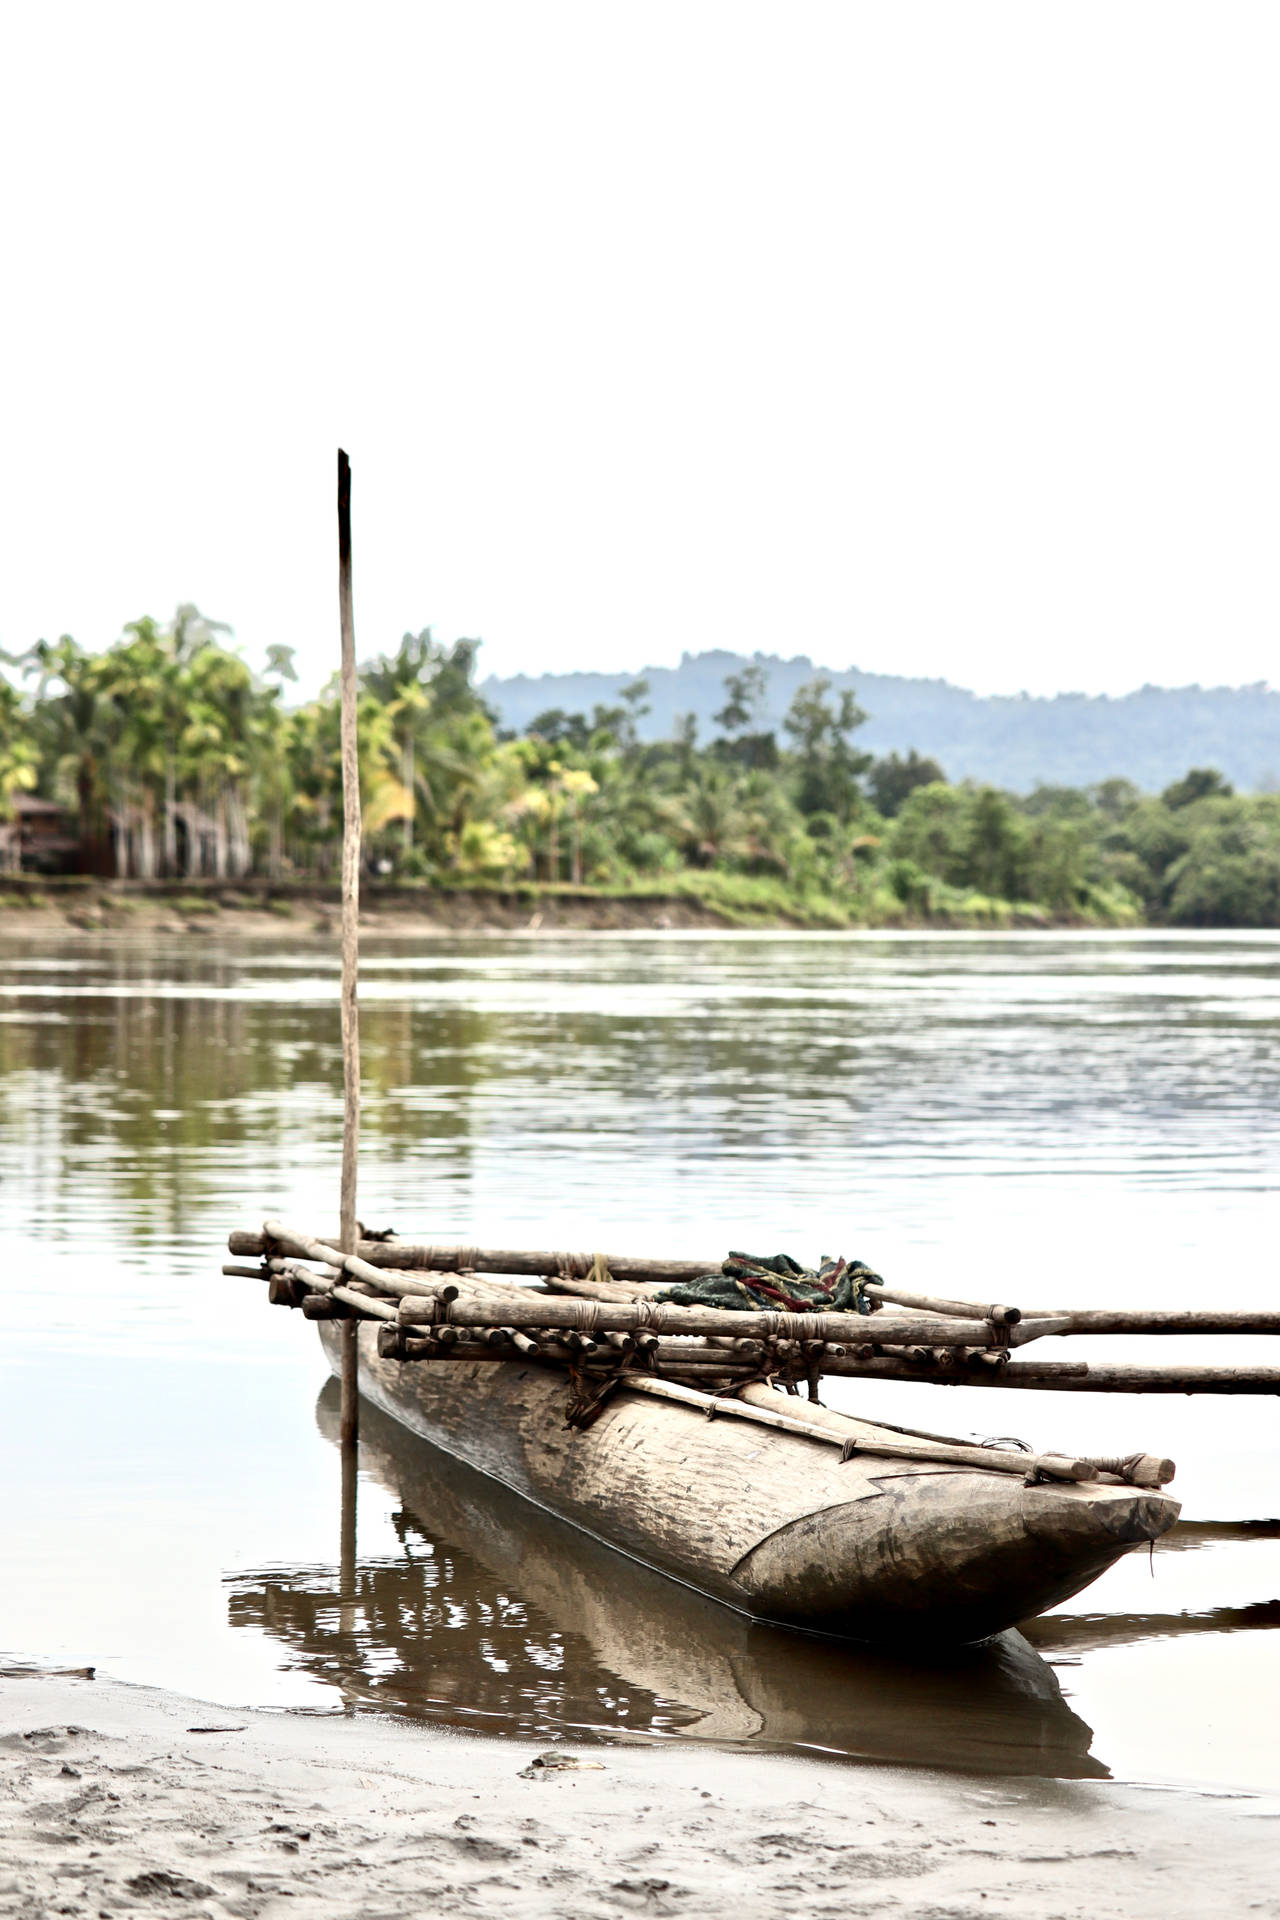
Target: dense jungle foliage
175,759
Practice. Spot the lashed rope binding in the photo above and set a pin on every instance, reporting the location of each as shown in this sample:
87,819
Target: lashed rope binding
588,1393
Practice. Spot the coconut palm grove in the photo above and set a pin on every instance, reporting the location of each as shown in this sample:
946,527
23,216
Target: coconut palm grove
166,756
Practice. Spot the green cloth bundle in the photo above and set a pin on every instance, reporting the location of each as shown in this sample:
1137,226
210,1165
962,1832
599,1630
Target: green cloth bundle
755,1283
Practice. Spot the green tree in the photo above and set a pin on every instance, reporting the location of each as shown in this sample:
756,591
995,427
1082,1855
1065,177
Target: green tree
635,705
1202,783
893,778
995,847
19,759
1226,879
441,728
559,728
68,730
744,743
932,832
1115,798
744,696
829,766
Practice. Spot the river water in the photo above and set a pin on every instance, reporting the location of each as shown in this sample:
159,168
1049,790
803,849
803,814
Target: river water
1050,1120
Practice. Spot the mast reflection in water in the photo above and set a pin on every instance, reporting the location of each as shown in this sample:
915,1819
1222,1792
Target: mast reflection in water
498,1616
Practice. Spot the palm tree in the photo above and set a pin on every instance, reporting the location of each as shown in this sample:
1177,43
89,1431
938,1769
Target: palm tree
714,824
68,726
19,759
426,691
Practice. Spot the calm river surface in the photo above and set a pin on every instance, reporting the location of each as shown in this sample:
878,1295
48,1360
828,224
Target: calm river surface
1050,1119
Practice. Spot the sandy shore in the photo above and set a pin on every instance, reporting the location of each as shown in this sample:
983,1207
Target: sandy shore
124,1799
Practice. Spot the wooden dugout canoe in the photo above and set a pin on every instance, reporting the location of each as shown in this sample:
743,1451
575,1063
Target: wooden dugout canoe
458,1629
774,1524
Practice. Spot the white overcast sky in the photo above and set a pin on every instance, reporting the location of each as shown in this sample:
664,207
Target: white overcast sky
927,338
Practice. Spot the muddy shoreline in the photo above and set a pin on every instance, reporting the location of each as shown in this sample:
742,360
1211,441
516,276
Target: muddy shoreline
30,904
305,917
128,1798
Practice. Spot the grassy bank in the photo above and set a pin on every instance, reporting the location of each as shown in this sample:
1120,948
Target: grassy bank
687,899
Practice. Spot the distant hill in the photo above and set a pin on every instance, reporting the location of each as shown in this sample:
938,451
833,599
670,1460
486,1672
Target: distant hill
1015,741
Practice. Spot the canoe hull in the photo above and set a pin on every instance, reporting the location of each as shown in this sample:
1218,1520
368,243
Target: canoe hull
774,1524
671,1660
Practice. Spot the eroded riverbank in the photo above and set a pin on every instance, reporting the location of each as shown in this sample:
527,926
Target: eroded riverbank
29,904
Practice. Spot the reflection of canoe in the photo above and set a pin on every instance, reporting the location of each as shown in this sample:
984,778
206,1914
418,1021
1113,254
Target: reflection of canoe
774,1523
498,1615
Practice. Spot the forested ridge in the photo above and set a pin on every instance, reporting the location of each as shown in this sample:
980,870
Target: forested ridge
1014,741
173,758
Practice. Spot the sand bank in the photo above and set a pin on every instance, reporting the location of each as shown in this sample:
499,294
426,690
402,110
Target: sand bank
118,1799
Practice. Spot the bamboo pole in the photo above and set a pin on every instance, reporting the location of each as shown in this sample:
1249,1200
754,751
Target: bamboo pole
1242,1320
961,1353
958,1367
1088,1378
1137,1469
347,1540
1072,1376
929,1303
409,1257
991,1460
329,1299
319,1250
607,1316
384,1279
1076,1376
330,1286
471,1344
597,1289
349,1228
687,1357
528,1308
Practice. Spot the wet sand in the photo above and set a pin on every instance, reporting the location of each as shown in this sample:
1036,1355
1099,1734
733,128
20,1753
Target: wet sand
125,1799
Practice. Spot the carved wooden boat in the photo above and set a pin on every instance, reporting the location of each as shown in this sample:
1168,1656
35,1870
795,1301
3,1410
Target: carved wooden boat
774,1524
460,1627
